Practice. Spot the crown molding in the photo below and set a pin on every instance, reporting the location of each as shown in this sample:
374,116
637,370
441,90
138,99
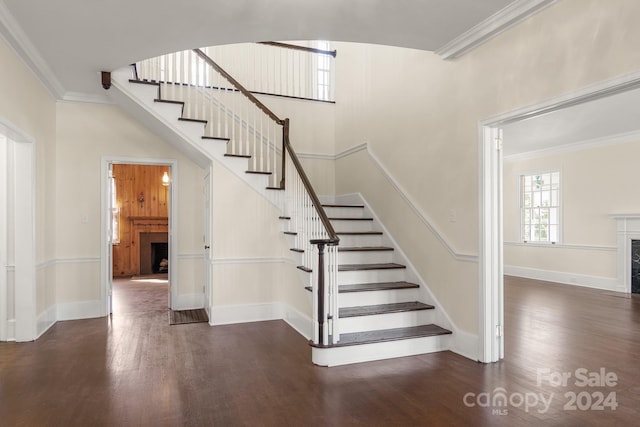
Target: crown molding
620,138
15,37
514,13
92,98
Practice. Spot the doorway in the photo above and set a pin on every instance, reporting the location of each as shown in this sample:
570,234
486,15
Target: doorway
18,317
139,262
491,202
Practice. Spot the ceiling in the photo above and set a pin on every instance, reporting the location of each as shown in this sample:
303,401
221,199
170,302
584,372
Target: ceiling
68,42
608,119
71,41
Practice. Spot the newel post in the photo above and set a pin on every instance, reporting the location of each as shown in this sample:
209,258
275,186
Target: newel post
321,315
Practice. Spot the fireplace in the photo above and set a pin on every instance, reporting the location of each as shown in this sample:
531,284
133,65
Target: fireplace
628,237
154,253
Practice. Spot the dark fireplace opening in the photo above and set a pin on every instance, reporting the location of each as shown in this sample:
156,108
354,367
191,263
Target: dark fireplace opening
635,266
159,257
154,253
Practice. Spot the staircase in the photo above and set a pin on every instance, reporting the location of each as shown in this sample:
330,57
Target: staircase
380,310
373,306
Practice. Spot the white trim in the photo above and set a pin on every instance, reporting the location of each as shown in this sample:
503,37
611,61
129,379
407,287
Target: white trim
621,138
227,261
191,256
465,344
316,156
244,313
298,321
598,90
563,246
15,37
424,218
11,330
80,310
105,269
583,280
352,150
91,98
499,22
187,301
46,320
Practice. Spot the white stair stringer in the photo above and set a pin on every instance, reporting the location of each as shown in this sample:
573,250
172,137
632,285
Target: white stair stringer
377,278
186,136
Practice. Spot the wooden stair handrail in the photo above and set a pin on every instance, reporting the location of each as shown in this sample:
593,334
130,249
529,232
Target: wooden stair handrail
333,237
302,48
238,86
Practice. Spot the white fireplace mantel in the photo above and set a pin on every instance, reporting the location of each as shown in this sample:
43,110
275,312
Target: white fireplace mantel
627,229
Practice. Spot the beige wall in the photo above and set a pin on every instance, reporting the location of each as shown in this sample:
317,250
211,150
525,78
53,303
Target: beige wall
85,134
27,105
595,184
420,115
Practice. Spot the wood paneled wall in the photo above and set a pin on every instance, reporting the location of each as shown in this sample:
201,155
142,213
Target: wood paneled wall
133,183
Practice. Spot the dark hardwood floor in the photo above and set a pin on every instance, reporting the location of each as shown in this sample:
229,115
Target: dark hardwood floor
134,369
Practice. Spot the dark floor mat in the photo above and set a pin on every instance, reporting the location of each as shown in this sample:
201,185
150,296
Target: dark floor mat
182,317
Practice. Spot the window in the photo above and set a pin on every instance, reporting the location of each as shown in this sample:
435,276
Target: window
540,207
323,70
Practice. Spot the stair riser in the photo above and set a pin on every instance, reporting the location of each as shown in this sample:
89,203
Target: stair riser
378,351
370,276
344,212
361,240
365,257
352,225
386,321
354,299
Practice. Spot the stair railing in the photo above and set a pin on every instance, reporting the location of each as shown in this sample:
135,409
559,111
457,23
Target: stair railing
283,69
212,95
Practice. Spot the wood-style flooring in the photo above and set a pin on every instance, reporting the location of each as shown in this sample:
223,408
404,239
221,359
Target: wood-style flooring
133,369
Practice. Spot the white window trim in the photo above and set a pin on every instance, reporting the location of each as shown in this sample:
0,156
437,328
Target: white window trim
560,207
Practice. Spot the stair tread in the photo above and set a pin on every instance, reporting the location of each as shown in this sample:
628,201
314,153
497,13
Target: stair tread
284,217
300,251
364,248
275,188
396,307
378,266
290,233
371,337
380,286
303,268
216,138
343,206
350,219
372,287
242,156
145,82
259,172
359,233
187,119
169,101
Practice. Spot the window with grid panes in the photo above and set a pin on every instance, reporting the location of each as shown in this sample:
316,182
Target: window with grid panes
540,207
323,71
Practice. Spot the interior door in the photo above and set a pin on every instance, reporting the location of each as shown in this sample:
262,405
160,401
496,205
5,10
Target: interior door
207,243
111,192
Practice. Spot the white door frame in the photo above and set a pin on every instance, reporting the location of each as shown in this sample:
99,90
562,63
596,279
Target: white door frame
105,218
491,299
17,264
208,252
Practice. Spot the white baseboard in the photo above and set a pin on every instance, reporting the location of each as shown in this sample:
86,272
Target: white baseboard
11,330
80,310
188,301
465,344
595,282
298,321
45,320
244,313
